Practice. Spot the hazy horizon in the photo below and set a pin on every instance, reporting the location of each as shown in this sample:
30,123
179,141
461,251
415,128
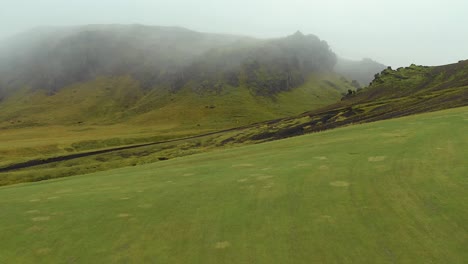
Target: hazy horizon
395,33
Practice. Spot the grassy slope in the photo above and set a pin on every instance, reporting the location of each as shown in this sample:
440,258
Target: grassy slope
237,106
115,111
386,192
105,101
415,81
407,91
411,90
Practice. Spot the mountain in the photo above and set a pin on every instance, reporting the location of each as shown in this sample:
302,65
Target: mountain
255,88
267,67
106,74
51,58
393,93
160,57
362,71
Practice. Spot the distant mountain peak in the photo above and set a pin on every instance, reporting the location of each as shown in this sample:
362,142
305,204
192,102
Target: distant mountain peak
298,33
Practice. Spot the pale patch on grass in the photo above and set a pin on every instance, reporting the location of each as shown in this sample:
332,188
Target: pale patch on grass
324,167
34,200
339,184
188,174
300,165
268,186
376,158
145,206
326,218
265,169
41,218
123,215
321,158
242,180
264,177
57,213
242,165
34,229
125,198
32,212
53,198
43,251
222,245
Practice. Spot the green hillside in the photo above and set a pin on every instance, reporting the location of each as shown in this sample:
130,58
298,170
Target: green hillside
393,93
415,81
116,100
142,81
423,89
116,111
223,91
386,192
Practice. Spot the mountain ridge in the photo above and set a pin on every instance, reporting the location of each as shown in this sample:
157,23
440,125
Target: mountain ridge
393,93
53,57
109,73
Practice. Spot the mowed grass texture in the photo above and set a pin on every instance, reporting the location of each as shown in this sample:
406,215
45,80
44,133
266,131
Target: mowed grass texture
387,192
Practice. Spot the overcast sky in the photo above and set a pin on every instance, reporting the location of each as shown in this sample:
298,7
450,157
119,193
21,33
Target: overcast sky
394,32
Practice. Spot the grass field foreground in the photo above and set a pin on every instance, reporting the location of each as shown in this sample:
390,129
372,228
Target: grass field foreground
387,192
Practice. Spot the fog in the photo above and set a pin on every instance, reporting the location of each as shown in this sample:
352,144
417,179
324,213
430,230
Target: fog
394,32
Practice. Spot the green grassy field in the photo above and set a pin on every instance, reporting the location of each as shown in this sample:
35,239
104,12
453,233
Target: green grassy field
386,192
